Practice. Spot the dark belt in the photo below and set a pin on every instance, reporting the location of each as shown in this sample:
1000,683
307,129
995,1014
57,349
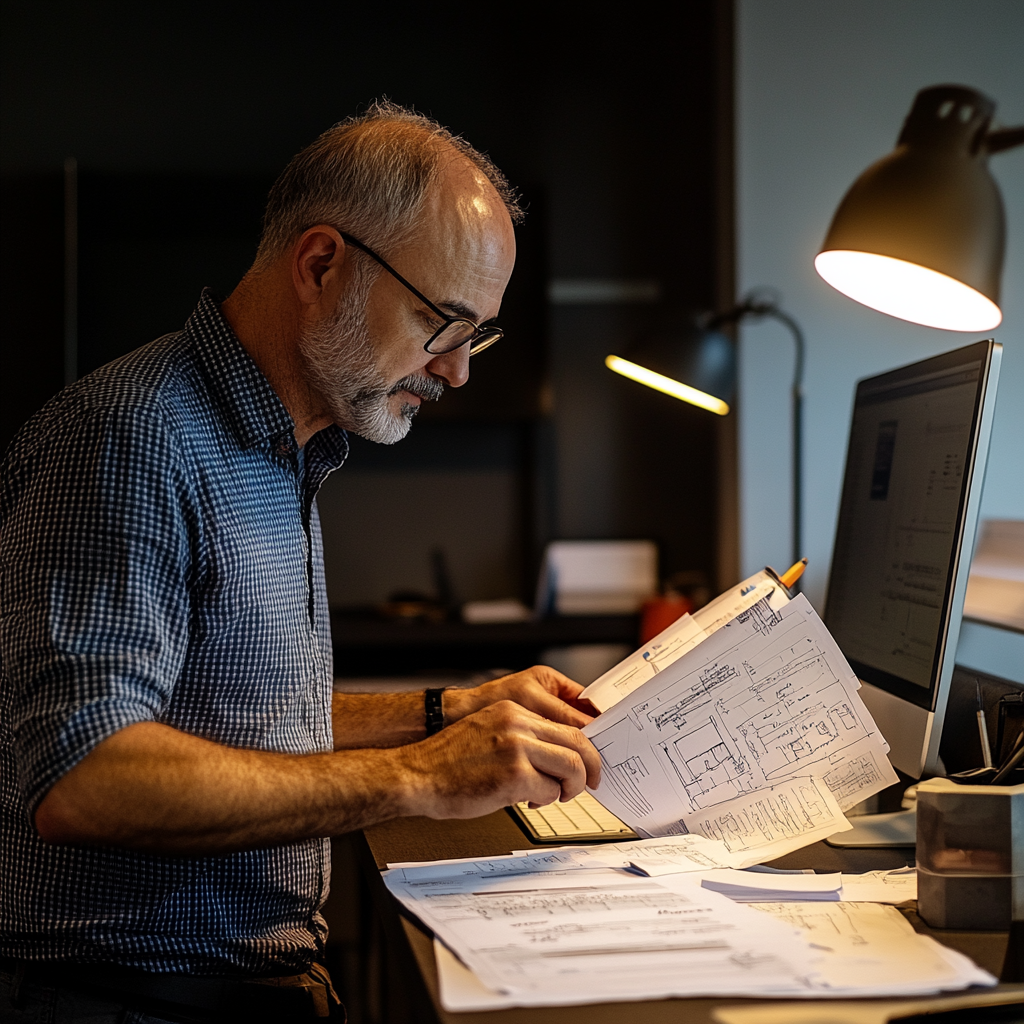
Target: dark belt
186,997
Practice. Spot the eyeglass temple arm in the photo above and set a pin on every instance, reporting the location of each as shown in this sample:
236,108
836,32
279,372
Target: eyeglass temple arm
391,270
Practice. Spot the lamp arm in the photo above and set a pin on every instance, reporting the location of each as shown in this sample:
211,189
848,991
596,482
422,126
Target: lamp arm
1004,138
774,313
755,308
798,426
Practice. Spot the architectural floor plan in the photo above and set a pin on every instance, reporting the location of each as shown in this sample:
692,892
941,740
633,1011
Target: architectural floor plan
765,701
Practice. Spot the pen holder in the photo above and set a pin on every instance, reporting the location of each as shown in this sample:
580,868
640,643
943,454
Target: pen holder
970,855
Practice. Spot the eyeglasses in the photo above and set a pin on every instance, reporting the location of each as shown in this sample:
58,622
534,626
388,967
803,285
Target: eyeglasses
455,332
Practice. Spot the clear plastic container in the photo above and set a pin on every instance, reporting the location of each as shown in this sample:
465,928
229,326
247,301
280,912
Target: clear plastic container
970,855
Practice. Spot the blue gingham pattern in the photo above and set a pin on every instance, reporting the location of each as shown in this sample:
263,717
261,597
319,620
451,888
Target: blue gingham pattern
160,560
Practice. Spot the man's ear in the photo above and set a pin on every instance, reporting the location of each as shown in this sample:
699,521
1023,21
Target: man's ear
317,261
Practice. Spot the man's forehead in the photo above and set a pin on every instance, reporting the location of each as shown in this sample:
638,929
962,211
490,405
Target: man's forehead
464,238
462,202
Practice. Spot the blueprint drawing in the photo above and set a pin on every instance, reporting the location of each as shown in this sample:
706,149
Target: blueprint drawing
766,700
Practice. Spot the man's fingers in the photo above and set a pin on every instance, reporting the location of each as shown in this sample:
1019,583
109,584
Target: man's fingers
562,764
569,739
556,683
557,710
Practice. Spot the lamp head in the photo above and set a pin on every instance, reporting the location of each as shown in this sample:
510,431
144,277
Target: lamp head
921,233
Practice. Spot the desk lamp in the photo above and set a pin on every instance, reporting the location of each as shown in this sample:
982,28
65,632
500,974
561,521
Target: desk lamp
706,360
920,235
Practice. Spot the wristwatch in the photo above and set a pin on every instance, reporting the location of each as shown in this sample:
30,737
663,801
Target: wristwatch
433,712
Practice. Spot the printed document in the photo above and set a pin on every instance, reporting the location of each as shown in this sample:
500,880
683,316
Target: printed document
603,935
757,737
683,635
873,950
580,934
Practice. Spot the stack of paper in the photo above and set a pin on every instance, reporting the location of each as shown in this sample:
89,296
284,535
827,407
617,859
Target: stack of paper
895,886
757,887
554,929
755,736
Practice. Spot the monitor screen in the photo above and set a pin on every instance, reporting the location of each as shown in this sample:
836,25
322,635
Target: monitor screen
901,520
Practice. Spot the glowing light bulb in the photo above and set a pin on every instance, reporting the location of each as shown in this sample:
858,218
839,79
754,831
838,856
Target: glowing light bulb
666,385
908,291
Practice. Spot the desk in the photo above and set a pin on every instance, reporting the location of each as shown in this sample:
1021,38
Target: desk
411,952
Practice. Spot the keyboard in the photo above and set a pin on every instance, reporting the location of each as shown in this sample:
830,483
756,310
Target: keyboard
579,819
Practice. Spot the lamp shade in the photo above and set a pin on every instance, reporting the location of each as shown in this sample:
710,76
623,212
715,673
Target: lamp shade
921,233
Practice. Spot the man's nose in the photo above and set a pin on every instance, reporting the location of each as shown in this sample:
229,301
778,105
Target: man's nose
451,367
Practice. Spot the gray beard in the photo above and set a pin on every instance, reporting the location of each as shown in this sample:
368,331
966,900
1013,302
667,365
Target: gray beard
340,360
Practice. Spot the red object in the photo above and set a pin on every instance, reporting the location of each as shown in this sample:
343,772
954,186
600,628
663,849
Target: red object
659,613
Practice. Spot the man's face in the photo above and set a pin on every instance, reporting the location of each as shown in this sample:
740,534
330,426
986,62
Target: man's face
367,360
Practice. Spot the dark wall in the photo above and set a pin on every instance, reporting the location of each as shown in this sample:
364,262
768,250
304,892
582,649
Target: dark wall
606,121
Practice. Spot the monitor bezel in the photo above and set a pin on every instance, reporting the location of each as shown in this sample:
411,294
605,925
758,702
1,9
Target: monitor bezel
981,353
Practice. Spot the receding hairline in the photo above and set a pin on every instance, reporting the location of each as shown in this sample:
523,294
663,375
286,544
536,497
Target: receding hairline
371,174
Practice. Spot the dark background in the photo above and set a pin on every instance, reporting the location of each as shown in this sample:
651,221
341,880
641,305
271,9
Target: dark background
614,128
615,123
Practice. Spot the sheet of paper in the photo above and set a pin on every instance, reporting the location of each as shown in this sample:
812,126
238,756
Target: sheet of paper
584,936
874,950
669,856
772,821
766,701
896,886
683,853
562,858
460,989
680,637
762,585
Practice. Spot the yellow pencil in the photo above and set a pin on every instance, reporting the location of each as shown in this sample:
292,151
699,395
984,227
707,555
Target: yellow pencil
793,573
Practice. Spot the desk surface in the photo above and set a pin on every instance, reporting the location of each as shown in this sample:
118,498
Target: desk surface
410,839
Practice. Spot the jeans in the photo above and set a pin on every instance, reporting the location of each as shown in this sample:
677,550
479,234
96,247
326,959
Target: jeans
54,1004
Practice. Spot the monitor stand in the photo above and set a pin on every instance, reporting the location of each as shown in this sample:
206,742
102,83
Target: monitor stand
896,828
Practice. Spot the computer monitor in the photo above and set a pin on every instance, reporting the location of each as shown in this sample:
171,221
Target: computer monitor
907,519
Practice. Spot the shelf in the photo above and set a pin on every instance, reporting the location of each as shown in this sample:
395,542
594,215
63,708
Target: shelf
365,645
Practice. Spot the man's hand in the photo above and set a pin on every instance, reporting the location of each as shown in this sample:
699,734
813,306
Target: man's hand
497,756
539,689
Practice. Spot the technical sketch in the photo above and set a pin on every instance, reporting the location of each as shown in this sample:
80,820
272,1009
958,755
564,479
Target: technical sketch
785,708
762,616
768,816
767,699
851,776
707,767
623,778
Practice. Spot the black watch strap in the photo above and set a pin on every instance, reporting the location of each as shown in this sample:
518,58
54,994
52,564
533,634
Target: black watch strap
433,712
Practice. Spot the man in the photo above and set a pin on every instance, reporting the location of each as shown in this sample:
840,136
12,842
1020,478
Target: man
172,757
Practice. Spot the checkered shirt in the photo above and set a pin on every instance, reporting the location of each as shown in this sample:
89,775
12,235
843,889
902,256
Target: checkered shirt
161,561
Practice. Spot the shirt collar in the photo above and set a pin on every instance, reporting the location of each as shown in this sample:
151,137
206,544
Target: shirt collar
245,396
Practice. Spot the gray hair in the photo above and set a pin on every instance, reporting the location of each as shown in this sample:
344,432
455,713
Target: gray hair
369,176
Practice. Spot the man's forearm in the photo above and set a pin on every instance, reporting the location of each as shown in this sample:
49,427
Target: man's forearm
153,787
377,719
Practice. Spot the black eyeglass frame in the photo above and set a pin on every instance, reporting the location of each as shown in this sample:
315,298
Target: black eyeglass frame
481,338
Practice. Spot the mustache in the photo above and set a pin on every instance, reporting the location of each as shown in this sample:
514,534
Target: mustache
427,388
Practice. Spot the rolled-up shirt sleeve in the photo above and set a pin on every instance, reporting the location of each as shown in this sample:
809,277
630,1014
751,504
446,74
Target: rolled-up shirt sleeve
96,541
